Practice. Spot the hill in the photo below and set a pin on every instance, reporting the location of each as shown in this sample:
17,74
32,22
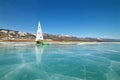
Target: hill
18,36
11,35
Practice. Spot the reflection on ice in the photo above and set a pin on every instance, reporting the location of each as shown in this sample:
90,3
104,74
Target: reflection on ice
38,51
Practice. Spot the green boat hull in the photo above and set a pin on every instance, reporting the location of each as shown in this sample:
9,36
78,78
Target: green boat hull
43,44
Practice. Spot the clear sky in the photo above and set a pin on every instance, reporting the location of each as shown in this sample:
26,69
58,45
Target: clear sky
83,18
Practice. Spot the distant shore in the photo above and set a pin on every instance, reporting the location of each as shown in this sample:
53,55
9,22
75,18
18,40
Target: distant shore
7,35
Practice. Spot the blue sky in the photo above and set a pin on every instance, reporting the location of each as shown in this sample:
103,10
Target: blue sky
83,18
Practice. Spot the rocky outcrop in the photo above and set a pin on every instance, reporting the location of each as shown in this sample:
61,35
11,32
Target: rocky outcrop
6,35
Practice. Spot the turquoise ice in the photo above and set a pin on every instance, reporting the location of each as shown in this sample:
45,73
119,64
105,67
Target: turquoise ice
26,61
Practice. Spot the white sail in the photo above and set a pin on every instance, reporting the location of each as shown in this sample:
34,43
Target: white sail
39,36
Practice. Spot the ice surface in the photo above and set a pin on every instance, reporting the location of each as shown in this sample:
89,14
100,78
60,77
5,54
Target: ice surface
24,61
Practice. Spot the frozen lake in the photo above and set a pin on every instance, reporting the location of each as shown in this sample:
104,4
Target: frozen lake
26,61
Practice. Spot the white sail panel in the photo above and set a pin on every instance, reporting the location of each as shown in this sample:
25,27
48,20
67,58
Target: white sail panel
39,35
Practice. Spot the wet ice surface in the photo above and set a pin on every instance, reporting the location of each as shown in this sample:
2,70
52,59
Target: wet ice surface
25,61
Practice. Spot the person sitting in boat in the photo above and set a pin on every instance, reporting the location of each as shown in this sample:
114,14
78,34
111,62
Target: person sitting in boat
39,42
